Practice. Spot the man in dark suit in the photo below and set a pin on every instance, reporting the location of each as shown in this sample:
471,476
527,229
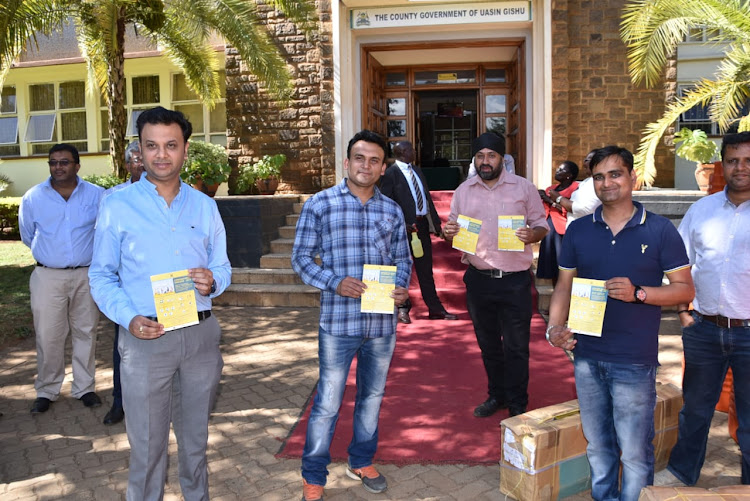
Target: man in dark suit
405,184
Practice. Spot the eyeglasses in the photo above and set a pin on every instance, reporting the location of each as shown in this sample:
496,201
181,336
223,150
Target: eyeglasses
136,160
62,163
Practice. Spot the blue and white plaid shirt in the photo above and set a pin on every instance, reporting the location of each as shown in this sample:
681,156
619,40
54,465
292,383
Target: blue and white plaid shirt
346,234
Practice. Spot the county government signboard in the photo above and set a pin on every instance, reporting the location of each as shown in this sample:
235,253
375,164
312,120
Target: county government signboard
423,15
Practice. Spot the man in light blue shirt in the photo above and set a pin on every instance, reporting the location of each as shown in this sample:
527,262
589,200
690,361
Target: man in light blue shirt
161,225
716,332
134,166
56,220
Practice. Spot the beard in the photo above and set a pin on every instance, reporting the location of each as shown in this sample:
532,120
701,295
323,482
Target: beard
488,176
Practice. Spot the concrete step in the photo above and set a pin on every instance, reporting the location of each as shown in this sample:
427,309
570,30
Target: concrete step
282,246
291,219
265,276
298,207
287,231
297,296
276,261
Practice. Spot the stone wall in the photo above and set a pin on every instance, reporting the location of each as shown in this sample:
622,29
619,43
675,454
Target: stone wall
594,102
303,128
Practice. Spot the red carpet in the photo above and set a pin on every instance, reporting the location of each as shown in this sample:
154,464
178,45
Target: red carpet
437,378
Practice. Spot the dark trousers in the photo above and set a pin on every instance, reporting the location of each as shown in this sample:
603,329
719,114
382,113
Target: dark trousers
117,390
500,309
423,268
709,351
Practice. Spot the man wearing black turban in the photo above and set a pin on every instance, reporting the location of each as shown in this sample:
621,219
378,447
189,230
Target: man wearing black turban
498,281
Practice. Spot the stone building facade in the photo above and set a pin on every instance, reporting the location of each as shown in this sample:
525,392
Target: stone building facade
592,101
302,128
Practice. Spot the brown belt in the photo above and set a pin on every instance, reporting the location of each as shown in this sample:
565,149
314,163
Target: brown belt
722,321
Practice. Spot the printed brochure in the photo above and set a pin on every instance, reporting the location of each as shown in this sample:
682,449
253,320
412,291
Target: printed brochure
506,233
381,281
588,301
468,234
174,297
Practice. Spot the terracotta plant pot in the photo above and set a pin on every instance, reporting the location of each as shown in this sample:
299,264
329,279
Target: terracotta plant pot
208,189
267,186
703,173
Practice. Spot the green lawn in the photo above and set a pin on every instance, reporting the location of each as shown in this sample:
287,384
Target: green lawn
16,265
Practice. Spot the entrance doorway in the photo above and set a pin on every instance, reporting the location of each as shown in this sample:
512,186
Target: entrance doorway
441,108
447,123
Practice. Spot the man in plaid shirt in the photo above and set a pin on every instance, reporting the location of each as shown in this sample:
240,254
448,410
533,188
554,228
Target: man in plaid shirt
348,226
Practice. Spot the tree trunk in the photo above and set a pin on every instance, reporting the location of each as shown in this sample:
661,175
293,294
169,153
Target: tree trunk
118,120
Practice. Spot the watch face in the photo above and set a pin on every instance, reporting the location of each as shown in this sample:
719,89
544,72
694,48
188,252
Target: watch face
640,294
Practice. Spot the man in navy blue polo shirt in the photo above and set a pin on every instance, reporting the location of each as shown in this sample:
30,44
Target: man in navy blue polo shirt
631,250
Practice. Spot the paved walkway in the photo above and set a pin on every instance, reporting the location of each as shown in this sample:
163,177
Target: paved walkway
270,370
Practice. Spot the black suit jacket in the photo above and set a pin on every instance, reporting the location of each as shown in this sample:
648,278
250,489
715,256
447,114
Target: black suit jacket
395,186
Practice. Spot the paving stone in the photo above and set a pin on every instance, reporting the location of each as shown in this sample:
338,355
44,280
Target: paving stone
269,375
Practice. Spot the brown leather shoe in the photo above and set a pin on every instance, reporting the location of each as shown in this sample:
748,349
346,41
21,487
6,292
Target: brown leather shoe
403,317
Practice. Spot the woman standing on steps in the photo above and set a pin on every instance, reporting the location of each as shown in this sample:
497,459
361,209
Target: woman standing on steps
550,246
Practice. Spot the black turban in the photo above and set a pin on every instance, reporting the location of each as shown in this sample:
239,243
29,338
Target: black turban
488,140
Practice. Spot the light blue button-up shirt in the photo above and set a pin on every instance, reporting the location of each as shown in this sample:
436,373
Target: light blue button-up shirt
138,235
60,233
717,238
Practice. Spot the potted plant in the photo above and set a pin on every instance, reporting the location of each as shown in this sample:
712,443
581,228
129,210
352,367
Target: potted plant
206,167
694,146
263,174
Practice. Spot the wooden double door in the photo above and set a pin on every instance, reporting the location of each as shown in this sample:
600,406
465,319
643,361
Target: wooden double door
441,108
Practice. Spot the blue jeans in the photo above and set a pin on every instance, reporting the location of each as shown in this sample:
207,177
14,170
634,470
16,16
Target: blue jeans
709,351
336,354
617,404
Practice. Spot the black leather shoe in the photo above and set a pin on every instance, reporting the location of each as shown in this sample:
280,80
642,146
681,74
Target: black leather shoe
403,317
91,399
41,404
442,315
115,415
515,410
488,407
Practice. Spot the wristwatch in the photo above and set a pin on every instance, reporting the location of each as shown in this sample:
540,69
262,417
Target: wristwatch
557,200
213,287
639,294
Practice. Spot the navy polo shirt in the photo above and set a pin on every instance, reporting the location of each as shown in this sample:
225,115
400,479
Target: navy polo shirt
646,248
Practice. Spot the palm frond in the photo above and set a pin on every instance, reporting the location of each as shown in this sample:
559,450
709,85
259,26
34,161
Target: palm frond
20,23
644,159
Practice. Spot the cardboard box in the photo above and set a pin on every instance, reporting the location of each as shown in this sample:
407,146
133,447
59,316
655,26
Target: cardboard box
544,451
727,493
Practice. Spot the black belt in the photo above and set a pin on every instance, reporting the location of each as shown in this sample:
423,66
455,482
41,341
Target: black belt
494,273
63,268
202,315
722,321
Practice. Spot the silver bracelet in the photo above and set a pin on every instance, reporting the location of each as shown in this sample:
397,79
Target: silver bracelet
546,335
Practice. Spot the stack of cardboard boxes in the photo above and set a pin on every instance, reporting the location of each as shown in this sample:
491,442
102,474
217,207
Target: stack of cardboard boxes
544,451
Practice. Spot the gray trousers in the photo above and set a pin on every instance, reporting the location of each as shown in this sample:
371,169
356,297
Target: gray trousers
172,378
61,303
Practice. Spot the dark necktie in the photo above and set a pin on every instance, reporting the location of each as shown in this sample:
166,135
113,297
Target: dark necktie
420,199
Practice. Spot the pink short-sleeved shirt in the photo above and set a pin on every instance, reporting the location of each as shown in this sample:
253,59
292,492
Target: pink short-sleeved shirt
511,196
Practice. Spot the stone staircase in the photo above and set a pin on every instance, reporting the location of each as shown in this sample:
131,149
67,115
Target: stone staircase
274,283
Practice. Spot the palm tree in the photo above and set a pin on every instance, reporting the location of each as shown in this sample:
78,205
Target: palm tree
181,28
653,28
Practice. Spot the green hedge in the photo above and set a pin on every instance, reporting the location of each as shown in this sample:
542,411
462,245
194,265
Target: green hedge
9,217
